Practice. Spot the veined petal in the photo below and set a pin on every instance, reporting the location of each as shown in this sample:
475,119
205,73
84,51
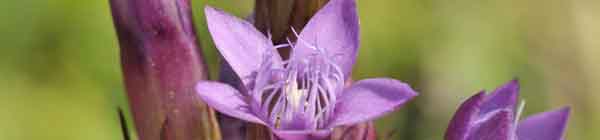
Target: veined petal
333,29
464,116
371,98
495,127
226,100
243,47
504,97
544,126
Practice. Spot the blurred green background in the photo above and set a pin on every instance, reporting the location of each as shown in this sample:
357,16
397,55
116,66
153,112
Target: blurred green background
60,75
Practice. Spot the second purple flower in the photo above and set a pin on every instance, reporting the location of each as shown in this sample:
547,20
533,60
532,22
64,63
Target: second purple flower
495,117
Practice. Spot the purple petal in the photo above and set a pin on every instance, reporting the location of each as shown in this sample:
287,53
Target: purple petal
544,126
504,97
334,29
301,134
243,47
495,127
466,114
226,100
368,99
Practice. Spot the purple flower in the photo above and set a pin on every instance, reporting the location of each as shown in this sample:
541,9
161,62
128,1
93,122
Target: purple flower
494,117
303,97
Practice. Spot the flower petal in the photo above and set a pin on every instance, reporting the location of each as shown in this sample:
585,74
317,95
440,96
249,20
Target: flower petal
544,126
496,127
243,47
504,97
466,114
334,29
226,100
368,99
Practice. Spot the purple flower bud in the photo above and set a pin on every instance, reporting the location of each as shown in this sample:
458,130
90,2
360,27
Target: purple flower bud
161,63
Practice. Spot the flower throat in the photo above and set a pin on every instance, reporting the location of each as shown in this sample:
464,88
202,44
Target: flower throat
300,95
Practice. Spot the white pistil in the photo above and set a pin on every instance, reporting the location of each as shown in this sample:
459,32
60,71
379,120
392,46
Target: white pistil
294,95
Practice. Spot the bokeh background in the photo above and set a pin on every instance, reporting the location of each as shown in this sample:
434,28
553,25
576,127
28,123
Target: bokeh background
60,75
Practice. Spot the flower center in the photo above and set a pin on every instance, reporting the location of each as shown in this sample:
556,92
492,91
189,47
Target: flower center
300,95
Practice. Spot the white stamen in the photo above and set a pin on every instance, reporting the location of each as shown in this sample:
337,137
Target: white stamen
306,88
516,122
519,111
